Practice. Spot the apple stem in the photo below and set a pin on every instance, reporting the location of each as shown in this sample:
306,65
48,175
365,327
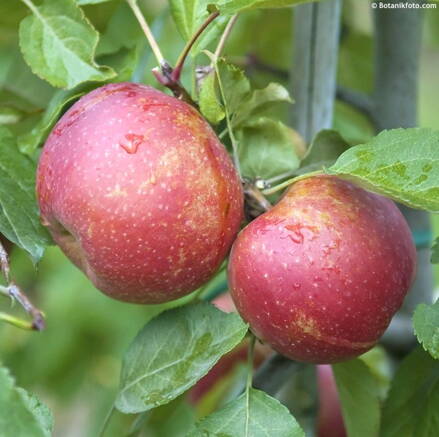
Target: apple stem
288,182
255,202
225,35
250,360
4,262
164,73
176,73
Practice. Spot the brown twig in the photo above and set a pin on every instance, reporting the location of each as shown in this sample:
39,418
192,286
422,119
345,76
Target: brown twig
14,292
4,262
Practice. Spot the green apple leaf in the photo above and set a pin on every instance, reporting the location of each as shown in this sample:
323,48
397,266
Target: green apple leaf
90,2
10,115
122,31
17,78
124,62
426,324
173,419
266,148
258,416
412,405
435,252
324,150
59,44
210,104
353,125
402,164
359,397
21,414
172,352
235,6
189,15
235,85
19,216
260,102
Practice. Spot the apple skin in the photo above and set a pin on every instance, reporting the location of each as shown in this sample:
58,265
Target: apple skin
320,275
139,193
330,419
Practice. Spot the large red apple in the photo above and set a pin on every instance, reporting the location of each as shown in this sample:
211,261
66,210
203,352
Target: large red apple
137,190
321,274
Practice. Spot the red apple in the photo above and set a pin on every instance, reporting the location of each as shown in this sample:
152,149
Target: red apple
320,275
329,420
137,190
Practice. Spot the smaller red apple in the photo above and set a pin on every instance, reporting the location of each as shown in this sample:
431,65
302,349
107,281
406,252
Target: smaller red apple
320,275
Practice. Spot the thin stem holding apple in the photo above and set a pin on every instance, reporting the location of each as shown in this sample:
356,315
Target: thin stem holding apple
287,183
250,358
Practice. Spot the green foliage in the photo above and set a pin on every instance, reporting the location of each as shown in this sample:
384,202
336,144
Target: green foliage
10,115
258,416
435,252
121,31
325,148
59,44
357,386
29,141
17,79
234,6
210,105
260,102
355,70
172,352
22,414
90,2
426,324
413,401
266,148
19,217
354,126
399,163
189,15
235,85
379,363
173,419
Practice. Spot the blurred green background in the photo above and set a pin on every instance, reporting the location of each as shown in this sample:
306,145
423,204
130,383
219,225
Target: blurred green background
73,365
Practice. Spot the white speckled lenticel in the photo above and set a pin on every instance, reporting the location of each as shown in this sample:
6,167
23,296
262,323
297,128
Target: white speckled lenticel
137,190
